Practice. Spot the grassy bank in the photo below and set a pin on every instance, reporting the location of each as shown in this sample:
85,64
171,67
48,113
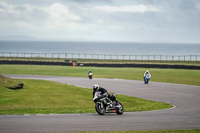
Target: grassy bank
45,97
179,76
9,82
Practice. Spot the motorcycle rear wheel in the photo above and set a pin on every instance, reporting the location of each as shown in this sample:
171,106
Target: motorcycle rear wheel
100,110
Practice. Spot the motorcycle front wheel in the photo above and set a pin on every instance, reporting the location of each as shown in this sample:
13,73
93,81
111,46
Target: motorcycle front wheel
120,109
100,108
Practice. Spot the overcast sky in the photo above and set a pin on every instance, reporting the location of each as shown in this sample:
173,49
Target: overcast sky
103,20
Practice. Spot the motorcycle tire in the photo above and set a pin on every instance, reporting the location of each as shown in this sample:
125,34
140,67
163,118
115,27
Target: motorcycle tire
99,109
120,110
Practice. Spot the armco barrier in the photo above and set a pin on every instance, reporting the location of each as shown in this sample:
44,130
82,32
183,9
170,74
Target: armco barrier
16,62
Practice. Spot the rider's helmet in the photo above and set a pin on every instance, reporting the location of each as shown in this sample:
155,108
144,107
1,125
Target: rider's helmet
147,71
90,71
95,87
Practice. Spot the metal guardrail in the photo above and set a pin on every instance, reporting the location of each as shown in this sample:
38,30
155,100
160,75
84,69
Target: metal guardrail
101,56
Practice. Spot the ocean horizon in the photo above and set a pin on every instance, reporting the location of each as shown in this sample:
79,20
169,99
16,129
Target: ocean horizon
113,48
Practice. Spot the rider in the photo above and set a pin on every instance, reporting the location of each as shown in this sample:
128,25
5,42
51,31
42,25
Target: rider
147,73
103,91
89,72
96,88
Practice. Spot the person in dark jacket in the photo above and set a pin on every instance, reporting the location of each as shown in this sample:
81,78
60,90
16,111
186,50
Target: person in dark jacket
89,72
96,88
103,91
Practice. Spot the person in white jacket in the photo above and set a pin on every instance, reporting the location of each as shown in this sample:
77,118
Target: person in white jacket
147,73
147,77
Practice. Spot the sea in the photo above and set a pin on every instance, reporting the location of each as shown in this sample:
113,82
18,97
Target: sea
103,48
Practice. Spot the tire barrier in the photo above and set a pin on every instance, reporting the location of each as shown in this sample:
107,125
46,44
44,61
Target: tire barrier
16,62
142,66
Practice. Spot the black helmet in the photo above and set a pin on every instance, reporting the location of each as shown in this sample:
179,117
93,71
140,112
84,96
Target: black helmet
95,87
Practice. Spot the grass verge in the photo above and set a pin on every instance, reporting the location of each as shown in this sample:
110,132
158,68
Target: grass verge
179,76
45,97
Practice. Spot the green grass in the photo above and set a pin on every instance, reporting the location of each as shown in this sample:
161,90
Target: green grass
45,97
179,76
9,82
156,131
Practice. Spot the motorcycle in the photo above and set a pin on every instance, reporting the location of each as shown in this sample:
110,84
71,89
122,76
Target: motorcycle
105,104
90,75
146,79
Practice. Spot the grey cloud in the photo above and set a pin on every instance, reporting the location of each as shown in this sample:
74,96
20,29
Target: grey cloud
178,20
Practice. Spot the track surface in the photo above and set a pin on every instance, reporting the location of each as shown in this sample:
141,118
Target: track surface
184,115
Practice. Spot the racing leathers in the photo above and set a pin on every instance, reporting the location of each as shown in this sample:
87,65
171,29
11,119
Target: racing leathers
102,90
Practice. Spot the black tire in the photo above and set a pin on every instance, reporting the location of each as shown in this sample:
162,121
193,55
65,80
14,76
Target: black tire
120,110
99,109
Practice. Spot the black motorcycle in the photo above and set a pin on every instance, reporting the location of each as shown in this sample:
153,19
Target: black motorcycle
90,75
107,104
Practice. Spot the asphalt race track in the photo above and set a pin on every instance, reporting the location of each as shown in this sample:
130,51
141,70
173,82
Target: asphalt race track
184,115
